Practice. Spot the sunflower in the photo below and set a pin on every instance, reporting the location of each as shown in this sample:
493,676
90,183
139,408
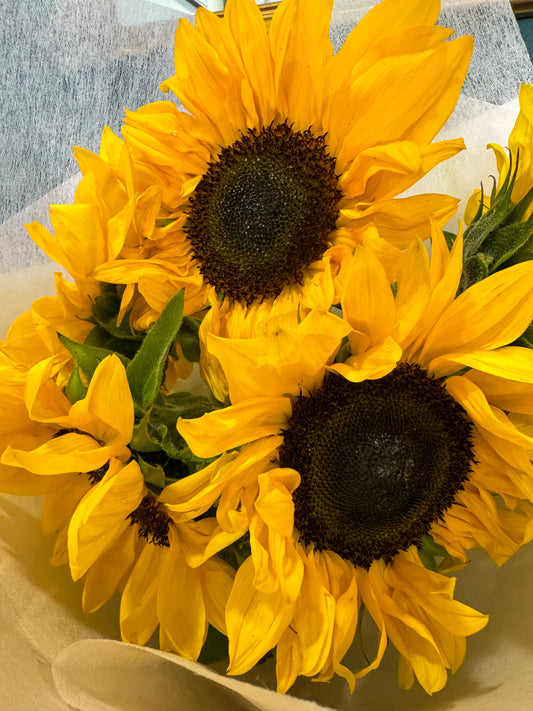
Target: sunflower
113,216
110,523
347,480
68,451
286,149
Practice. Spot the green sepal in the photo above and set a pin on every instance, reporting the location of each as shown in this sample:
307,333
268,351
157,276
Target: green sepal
156,432
189,340
105,310
430,545
505,242
427,551
144,438
182,404
86,358
427,559
344,352
154,474
494,239
164,221
75,389
147,369
475,269
215,647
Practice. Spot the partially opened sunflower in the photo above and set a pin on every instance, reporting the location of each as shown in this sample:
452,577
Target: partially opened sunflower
286,149
348,475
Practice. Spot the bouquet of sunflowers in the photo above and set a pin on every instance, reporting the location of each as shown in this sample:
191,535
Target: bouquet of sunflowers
259,406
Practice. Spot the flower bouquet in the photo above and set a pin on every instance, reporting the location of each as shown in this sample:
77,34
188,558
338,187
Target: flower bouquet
260,408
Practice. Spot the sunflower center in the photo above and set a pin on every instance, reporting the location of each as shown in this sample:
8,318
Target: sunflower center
152,520
379,461
263,211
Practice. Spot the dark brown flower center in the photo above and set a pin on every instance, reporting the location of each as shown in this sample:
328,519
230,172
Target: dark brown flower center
379,461
263,211
152,520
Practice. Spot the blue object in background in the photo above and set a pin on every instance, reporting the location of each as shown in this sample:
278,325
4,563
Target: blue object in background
525,23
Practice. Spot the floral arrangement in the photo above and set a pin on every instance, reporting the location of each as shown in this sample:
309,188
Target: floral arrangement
364,413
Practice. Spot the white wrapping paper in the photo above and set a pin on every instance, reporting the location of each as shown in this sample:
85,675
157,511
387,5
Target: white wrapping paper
52,657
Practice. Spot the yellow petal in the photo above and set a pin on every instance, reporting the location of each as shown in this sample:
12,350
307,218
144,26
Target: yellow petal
367,299
180,604
413,291
138,615
372,364
283,360
512,363
221,430
101,517
506,394
256,620
107,409
106,574
491,313
299,38
70,452
488,418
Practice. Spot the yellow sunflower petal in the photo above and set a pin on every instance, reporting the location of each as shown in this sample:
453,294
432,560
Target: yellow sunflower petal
221,430
70,452
306,644
138,616
488,418
105,575
299,39
256,620
180,603
367,299
101,517
283,360
512,363
107,409
371,364
506,394
490,314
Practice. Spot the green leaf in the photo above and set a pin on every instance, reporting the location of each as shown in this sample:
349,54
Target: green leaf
427,551
182,404
147,369
345,351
